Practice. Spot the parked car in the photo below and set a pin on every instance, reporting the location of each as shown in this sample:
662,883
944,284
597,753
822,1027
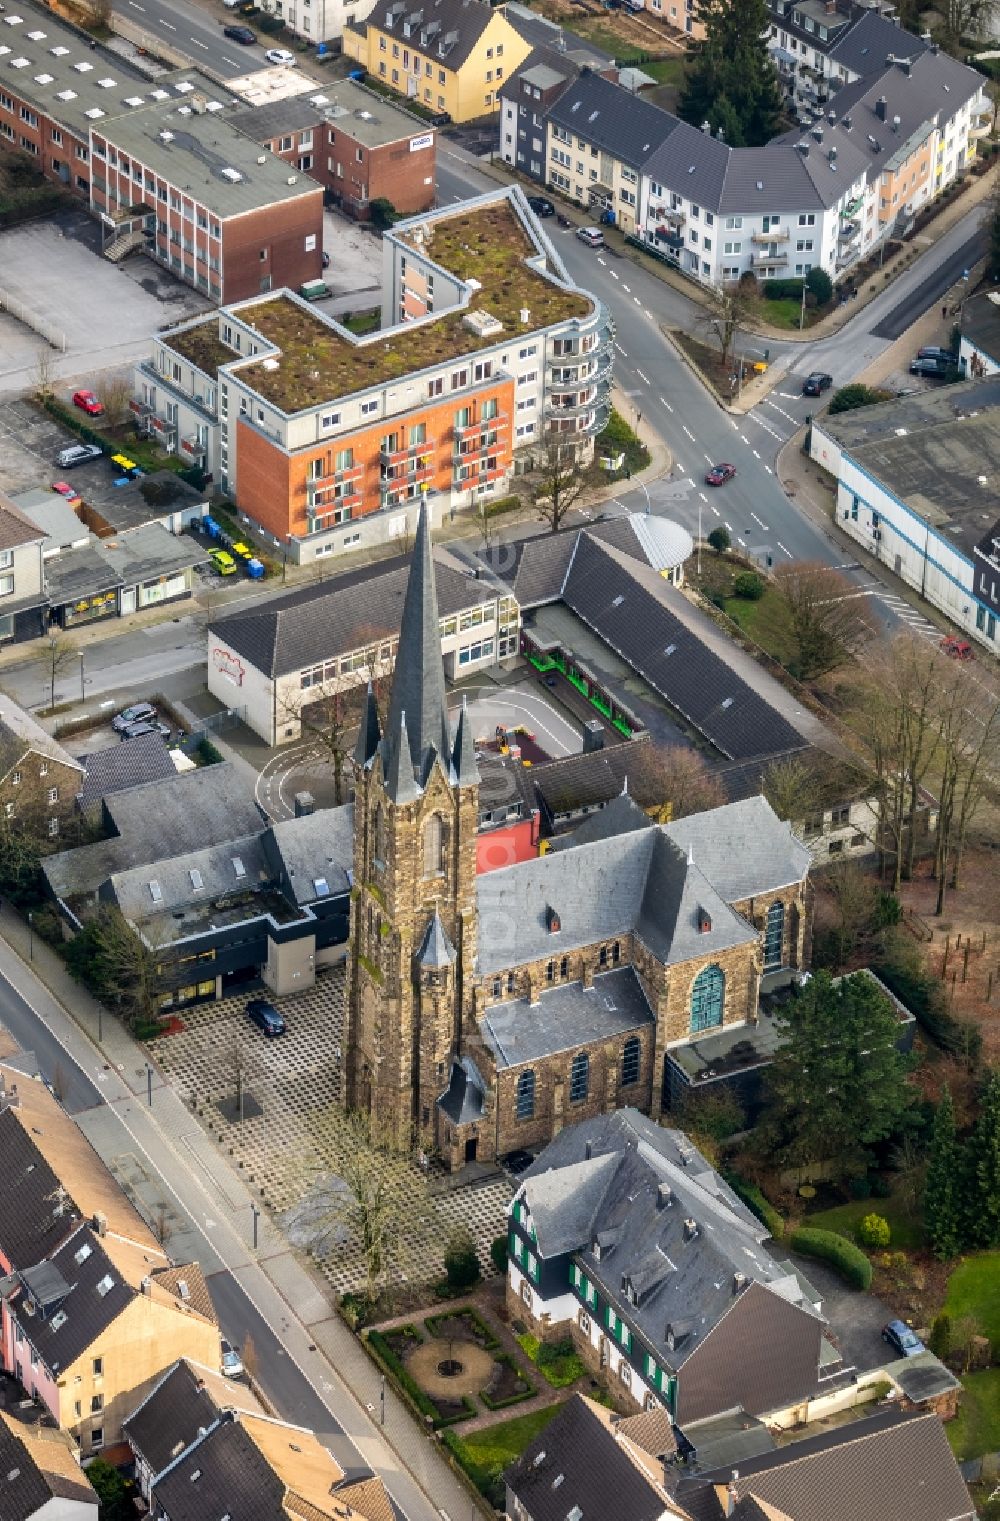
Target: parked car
232,1362
815,385
592,236
958,649
720,474
936,366
65,489
265,1016
78,454
223,561
88,402
145,726
280,55
242,34
936,353
138,713
899,1336
541,206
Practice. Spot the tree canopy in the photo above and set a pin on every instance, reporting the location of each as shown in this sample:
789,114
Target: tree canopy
733,84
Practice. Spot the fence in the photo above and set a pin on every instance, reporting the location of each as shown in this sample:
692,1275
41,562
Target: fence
216,722
17,309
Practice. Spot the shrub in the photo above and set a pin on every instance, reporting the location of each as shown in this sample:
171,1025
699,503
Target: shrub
842,1255
782,290
498,1254
557,1361
754,1200
819,284
848,398
208,753
874,1232
860,1188
749,585
719,540
461,1265
939,1340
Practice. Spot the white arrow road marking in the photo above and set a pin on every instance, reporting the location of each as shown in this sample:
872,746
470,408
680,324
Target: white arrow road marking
759,520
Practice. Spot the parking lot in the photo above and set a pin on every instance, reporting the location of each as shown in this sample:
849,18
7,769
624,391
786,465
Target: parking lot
48,266
30,440
292,1138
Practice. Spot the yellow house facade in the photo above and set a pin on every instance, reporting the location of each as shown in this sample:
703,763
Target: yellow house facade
447,55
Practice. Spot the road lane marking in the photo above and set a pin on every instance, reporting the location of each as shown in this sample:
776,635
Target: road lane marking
641,376
766,426
745,439
615,275
168,24
602,262
768,469
718,514
708,461
626,290
647,313
200,44
728,525
760,521
621,350
703,496
665,403
784,551
636,300
687,430
774,404
756,454
680,467
788,395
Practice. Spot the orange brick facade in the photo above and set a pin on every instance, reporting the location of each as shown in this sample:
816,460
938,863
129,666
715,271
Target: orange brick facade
308,491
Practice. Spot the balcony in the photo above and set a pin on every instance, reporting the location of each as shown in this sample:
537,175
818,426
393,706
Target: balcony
769,260
140,409
165,431
672,240
324,499
400,456
192,448
498,424
852,208
776,235
849,231
398,477
468,448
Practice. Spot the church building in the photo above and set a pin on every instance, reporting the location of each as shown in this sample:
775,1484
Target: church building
486,1012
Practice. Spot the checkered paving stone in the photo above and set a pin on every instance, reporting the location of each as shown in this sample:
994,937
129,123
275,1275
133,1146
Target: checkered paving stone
292,1139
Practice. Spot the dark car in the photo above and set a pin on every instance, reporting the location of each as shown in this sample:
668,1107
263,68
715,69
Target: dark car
138,713
720,474
145,726
930,352
78,454
242,34
541,206
936,366
265,1016
899,1336
815,385
518,1161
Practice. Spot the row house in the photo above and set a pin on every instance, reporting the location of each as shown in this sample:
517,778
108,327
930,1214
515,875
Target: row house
820,45
158,162
486,352
820,197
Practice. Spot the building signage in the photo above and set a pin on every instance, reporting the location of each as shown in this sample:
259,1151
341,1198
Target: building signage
227,664
424,141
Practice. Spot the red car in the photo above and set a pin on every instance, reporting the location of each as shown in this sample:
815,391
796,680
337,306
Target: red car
958,649
65,489
719,475
88,402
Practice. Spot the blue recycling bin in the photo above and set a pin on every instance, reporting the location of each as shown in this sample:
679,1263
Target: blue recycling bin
255,570
211,527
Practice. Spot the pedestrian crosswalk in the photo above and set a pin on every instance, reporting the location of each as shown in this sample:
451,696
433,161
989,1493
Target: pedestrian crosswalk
906,613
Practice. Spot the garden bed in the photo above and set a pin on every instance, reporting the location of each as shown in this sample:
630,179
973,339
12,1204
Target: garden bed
557,1362
465,1324
508,1386
438,1412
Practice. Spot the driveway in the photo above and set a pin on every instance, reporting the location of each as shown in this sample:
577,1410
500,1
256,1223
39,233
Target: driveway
855,1320
96,314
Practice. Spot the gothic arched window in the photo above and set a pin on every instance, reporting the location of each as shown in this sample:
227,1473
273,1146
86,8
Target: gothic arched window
434,846
707,997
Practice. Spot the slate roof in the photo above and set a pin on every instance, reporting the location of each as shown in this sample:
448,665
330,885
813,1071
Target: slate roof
177,891
580,781
469,18
577,1466
646,622
681,1281
225,1473
336,617
542,33
319,846
863,48
96,1295
20,732
462,1100
621,815
604,114
743,848
15,528
27,1482
891,1466
30,1227
186,1398
637,881
133,764
418,675
934,82
566,1016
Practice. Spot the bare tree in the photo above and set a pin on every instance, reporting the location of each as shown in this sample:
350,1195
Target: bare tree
968,728
829,621
331,721
853,895
115,393
41,375
681,781
728,309
792,788
53,654
561,481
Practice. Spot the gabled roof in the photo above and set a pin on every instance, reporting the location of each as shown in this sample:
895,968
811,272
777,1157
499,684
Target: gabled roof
15,527
141,760
95,1295
186,1399
313,853
604,114
467,19
567,46
863,48
621,815
892,1466
581,1465
669,1225
741,847
566,1016
38,1469
21,733
35,1214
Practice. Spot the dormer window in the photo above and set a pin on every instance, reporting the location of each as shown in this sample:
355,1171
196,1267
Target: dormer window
553,923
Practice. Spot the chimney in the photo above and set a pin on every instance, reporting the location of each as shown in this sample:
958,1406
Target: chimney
588,1150
305,804
593,736
704,921
664,1195
706,127
803,148
881,108
731,1492
846,124
739,1282
100,1223
690,1229
147,1286
721,134
895,123
525,316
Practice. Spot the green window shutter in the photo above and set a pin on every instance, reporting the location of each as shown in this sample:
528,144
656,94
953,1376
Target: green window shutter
513,1245
533,1266
671,1393
609,1319
626,1336
574,1275
591,1293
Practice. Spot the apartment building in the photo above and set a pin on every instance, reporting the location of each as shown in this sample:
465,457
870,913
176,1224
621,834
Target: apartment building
821,197
356,144
22,591
450,55
39,780
157,161
487,352
525,99
821,45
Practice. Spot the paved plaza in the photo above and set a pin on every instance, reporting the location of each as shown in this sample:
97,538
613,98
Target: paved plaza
290,1142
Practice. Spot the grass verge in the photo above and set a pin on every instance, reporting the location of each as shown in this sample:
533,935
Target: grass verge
906,1226
974,1289
976,1427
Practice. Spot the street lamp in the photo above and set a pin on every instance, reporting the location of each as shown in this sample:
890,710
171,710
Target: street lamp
31,937
149,1085
382,1399
256,1217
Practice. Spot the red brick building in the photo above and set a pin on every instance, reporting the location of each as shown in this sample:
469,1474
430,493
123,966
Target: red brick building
356,144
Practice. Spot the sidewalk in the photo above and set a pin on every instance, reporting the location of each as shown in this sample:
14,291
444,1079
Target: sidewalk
188,1169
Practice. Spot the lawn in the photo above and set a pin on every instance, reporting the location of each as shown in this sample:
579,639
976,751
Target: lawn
976,1428
666,71
485,1454
766,622
974,1289
906,1227
362,322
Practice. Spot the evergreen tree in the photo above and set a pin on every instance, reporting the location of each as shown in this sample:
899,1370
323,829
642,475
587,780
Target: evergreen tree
838,1083
733,83
942,1189
983,1191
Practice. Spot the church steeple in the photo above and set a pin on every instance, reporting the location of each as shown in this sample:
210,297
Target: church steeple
369,732
418,679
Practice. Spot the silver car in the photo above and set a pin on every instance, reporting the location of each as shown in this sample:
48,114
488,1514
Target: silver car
232,1363
78,454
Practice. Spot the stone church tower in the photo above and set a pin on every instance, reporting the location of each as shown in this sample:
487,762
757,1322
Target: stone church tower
413,904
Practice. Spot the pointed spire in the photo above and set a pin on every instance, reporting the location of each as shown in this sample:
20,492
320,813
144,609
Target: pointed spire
436,949
463,755
369,732
400,782
418,680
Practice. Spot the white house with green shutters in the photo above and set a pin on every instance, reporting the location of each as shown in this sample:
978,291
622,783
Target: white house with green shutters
625,1239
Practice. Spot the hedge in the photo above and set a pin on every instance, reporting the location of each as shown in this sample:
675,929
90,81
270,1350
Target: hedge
842,1255
488,1342
781,290
408,1386
512,1399
755,1201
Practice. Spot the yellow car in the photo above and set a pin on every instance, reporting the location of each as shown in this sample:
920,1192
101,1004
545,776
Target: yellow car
223,562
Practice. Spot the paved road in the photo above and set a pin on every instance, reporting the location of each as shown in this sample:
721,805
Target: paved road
195,32
933,287
32,1034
